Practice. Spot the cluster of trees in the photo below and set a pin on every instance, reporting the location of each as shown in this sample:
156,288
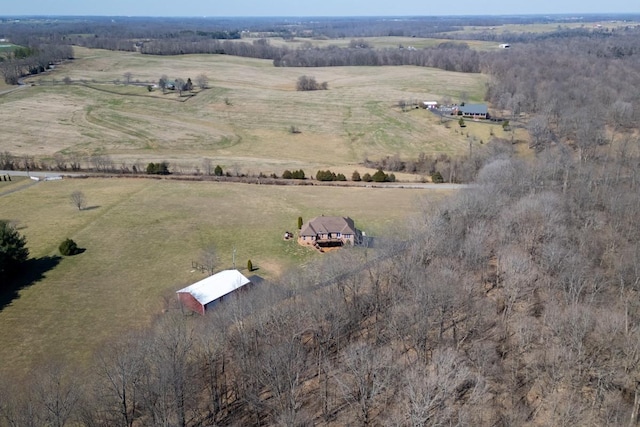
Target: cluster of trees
161,168
296,174
378,176
61,162
329,176
309,83
459,169
514,302
178,84
32,59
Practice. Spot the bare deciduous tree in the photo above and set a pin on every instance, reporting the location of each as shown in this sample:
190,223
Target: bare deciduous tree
209,258
364,379
79,200
202,81
207,166
121,368
163,83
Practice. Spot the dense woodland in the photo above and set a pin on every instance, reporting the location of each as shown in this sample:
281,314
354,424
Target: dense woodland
515,302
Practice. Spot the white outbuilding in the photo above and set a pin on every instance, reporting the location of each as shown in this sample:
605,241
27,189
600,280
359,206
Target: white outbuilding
204,294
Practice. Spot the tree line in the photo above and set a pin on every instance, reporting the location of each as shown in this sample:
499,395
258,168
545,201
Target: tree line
177,37
33,59
449,57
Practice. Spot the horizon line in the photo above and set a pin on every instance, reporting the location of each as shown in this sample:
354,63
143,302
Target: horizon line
505,15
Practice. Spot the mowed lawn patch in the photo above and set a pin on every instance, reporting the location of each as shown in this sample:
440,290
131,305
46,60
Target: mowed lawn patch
141,236
242,120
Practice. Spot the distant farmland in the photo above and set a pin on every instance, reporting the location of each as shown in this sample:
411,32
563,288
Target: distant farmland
243,121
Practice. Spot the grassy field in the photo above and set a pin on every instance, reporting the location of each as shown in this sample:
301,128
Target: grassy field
242,122
7,47
380,42
141,236
542,28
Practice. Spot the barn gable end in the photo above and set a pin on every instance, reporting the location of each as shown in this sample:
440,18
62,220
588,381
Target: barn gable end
207,292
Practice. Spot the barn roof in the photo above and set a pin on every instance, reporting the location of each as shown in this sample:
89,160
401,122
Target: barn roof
474,109
216,286
328,224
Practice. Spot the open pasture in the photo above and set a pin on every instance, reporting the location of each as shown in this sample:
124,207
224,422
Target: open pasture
141,236
379,42
539,28
241,122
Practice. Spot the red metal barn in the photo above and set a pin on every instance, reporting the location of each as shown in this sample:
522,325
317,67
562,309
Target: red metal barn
207,292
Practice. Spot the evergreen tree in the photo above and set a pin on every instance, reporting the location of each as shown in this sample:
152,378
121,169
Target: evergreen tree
13,251
437,178
379,176
68,247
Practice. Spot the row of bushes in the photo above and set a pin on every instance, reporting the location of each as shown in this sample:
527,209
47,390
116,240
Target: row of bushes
330,176
379,176
298,174
162,168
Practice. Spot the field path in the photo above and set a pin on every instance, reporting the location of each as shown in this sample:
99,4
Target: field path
13,89
19,188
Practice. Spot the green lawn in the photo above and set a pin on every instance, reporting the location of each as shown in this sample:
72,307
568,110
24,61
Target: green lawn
7,47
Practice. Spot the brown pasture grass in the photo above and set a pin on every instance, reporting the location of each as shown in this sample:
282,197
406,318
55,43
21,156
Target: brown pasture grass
16,183
378,42
242,121
537,28
141,236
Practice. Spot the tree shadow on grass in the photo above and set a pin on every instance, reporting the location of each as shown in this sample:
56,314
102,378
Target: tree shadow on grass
33,270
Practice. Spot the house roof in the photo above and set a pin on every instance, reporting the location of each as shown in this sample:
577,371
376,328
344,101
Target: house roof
474,109
216,286
328,224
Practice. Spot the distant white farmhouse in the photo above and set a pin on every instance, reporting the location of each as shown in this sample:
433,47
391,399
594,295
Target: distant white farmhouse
431,105
505,46
204,294
474,111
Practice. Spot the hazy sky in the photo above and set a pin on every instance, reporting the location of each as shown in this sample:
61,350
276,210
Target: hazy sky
312,7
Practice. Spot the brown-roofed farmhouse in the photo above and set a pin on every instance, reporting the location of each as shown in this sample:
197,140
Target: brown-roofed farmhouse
328,231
